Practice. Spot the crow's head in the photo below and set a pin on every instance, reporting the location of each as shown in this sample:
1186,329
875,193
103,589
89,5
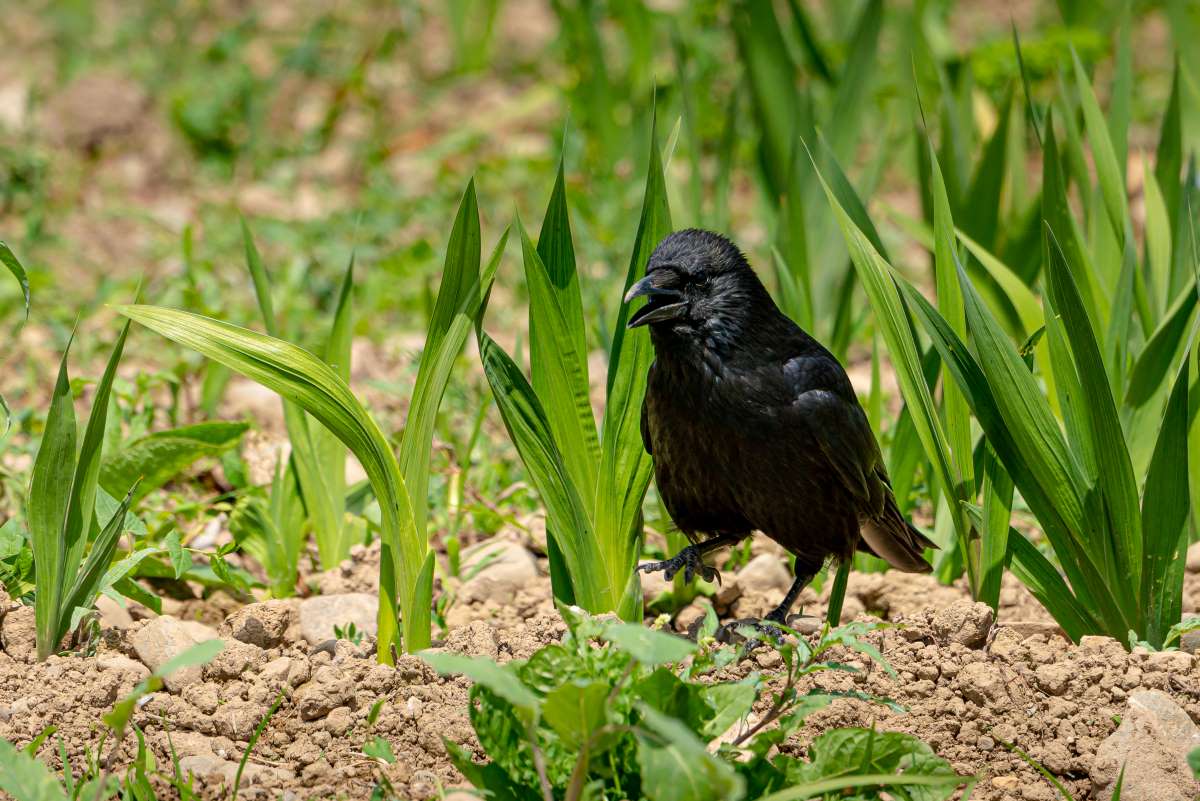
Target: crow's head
698,285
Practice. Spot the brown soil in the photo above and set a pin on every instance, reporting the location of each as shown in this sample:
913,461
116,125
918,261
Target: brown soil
967,687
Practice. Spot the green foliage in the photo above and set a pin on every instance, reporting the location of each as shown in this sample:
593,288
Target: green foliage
158,457
62,512
621,709
592,484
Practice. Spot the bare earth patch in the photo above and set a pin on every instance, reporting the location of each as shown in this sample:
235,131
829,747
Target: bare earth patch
966,685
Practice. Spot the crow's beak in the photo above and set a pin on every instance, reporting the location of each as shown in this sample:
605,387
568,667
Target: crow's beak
658,307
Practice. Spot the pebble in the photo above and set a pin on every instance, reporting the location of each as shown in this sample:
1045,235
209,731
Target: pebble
321,614
164,638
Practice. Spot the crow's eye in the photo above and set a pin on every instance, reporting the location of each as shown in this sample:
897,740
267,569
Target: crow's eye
704,281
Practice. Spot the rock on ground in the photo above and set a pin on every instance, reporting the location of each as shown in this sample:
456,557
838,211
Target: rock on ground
163,639
1152,743
495,570
964,622
262,624
321,614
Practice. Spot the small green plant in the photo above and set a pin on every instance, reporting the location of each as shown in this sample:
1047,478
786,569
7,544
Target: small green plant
62,511
592,484
621,710
348,632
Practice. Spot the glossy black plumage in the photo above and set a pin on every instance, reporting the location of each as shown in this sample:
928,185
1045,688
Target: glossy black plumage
753,424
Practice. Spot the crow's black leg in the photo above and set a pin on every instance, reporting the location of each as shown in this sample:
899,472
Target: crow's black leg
780,613
691,559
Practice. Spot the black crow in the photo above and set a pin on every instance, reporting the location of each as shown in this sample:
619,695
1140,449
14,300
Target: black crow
753,424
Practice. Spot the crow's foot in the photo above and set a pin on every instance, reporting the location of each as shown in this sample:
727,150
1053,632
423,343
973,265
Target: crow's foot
690,560
767,626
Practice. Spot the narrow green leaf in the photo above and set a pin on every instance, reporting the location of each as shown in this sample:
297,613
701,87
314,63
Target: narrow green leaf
1165,513
1154,363
1108,170
529,431
9,259
26,778
559,371
625,467
1122,536
1168,160
49,494
86,584
1158,242
500,679
461,292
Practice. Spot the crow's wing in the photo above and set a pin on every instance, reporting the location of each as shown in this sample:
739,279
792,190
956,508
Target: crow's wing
841,432
646,427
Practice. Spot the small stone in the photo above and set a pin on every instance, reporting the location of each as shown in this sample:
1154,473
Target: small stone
321,614
262,624
112,614
1193,558
985,743
163,639
1190,641
764,572
122,664
964,622
1152,743
1053,679
495,570
338,722
327,690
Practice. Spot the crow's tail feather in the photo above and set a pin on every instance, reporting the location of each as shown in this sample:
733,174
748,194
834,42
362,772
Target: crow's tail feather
893,539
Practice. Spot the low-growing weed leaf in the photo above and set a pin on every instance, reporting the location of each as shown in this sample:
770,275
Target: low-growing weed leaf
576,710
25,777
648,646
159,457
181,560
676,765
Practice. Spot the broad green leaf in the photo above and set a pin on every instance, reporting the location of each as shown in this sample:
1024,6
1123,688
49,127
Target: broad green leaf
676,766
181,562
500,679
159,457
648,646
1165,509
25,777
1119,532
625,466
9,259
308,382
575,710
49,494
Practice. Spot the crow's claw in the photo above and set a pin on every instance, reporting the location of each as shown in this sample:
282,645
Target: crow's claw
729,633
689,560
